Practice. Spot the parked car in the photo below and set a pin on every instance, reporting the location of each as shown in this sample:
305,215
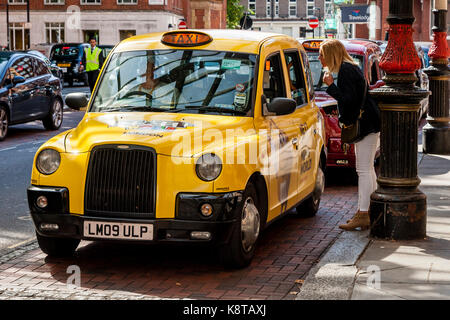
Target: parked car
68,57
139,183
28,92
57,71
367,54
422,78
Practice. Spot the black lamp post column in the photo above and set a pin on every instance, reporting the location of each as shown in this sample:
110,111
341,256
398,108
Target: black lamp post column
436,133
398,207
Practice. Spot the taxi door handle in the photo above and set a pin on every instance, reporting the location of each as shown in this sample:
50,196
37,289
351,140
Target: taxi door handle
294,141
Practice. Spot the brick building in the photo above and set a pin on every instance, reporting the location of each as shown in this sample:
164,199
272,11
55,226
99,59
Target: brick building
289,16
111,21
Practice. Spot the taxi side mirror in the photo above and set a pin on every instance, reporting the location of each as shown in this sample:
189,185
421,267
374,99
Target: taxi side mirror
281,106
77,100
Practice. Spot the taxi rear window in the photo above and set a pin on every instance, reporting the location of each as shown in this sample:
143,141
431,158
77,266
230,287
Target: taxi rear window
193,81
64,51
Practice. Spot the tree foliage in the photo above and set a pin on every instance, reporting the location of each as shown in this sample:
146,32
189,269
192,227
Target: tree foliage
235,11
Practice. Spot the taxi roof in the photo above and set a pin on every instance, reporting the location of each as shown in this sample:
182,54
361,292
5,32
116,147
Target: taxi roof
223,40
355,46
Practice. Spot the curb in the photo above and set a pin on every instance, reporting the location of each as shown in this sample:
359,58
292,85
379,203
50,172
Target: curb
12,253
333,277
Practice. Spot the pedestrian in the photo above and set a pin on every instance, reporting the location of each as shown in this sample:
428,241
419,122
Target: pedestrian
92,62
350,91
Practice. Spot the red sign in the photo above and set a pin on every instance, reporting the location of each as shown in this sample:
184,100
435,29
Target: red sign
313,23
182,25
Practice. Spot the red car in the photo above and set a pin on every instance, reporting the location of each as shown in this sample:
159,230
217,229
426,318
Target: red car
367,54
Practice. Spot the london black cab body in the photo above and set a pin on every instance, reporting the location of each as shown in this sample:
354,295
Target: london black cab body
28,92
189,136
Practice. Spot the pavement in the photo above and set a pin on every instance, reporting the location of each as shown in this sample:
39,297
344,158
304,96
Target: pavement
359,268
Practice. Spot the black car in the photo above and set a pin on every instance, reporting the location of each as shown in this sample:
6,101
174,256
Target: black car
106,49
68,57
57,71
28,92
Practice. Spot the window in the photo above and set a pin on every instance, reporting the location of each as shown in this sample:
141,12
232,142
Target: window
124,34
297,82
54,32
292,8
273,82
310,8
17,1
308,74
188,80
91,1
53,1
277,8
155,1
22,67
268,8
126,1
40,68
252,6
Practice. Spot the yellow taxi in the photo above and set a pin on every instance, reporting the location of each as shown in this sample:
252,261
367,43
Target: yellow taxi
189,136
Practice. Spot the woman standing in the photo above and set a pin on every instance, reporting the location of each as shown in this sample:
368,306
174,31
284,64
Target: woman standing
351,93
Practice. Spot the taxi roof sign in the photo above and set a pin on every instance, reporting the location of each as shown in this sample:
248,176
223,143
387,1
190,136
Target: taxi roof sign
313,45
185,38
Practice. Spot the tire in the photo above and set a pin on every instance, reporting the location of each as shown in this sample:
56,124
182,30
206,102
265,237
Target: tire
54,119
4,123
310,206
57,247
239,252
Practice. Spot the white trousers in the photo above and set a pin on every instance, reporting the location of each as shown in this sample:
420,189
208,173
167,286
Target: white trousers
367,179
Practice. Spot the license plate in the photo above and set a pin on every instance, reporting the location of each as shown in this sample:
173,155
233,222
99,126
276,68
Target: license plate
118,230
63,64
64,69
341,161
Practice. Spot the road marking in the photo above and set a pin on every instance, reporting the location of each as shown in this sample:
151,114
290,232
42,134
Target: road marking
6,149
22,243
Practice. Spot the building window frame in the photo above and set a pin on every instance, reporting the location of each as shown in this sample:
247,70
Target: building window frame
310,5
54,2
252,6
157,2
61,32
90,2
127,2
292,8
268,8
17,2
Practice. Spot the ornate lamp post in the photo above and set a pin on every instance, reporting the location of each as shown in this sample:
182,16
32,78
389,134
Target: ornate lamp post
398,207
436,134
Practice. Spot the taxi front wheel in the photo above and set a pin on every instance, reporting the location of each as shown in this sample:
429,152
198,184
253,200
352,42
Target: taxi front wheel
241,249
310,206
57,247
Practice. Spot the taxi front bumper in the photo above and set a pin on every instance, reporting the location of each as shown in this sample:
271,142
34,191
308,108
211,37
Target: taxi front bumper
187,219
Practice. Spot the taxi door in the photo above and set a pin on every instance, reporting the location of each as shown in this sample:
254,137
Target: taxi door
282,136
302,119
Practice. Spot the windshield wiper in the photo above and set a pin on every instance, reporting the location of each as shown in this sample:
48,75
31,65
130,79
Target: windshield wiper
133,108
216,109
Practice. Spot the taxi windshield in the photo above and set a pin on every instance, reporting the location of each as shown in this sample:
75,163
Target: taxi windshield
194,81
317,69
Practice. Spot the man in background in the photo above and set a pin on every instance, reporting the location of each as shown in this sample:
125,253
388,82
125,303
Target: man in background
92,62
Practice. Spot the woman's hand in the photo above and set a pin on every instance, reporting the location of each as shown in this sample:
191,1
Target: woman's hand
328,78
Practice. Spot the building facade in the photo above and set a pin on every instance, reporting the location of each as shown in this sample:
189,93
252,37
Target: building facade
110,21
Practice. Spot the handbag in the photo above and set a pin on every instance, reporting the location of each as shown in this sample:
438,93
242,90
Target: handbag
352,133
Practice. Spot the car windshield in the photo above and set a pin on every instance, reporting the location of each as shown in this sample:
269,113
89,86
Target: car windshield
177,81
59,51
317,69
4,58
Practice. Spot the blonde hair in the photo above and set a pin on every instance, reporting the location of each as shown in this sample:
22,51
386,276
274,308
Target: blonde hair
334,54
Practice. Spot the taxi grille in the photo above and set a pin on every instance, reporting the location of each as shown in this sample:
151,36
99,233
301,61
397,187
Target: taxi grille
121,182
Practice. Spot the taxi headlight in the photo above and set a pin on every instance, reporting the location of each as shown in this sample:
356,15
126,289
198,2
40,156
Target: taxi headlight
208,167
48,161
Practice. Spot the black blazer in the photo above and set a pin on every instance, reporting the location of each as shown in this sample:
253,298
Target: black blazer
349,93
